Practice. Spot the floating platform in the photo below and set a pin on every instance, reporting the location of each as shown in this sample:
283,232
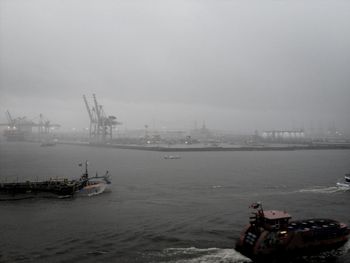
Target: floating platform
60,188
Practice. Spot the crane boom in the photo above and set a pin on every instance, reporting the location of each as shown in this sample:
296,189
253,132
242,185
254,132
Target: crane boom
9,117
101,125
97,109
88,109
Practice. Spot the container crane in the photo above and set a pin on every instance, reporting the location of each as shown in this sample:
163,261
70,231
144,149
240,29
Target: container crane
21,128
45,125
101,125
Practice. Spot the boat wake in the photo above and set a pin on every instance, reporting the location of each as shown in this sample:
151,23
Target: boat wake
346,248
207,255
323,190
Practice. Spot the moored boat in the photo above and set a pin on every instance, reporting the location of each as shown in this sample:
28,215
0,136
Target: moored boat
270,234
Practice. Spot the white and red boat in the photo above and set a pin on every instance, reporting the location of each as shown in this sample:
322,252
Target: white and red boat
90,186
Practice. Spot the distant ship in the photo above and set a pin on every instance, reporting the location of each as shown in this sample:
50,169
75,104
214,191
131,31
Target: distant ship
172,157
47,143
270,234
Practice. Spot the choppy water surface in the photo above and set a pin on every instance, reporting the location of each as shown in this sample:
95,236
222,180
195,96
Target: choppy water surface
186,210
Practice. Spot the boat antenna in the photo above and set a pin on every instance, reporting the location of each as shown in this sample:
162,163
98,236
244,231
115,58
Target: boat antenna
86,169
261,207
258,207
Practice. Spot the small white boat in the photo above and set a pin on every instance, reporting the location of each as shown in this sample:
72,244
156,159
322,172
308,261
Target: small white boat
347,178
171,157
346,183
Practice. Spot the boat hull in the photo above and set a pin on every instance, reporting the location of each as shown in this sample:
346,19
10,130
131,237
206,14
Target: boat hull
91,190
261,244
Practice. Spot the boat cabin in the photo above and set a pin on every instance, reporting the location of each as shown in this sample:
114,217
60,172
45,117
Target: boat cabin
268,219
272,219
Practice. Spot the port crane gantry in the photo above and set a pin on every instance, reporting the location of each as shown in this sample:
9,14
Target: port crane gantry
101,125
21,127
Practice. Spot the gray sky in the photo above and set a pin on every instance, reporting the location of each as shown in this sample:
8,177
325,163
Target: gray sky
239,65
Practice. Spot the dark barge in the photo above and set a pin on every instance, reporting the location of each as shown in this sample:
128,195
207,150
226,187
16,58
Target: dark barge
60,188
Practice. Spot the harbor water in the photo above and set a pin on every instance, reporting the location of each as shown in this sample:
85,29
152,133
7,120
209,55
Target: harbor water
190,209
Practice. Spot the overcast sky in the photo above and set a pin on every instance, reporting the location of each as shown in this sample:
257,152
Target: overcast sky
238,65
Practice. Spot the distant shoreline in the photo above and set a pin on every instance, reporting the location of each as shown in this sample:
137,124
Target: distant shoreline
199,148
215,148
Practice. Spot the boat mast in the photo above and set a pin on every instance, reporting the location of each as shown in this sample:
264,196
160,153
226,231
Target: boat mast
86,174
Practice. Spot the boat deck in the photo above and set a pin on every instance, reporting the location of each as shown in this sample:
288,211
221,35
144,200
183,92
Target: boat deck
304,225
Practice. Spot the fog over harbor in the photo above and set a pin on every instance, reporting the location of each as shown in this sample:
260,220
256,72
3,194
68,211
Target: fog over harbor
237,65
175,131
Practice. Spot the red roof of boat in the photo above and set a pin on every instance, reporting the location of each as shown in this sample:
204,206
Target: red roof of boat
274,214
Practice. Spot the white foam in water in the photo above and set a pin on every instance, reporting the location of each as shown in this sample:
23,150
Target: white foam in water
346,248
207,255
322,190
